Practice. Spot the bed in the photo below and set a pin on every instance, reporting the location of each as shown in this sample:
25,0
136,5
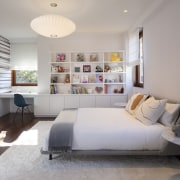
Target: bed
112,131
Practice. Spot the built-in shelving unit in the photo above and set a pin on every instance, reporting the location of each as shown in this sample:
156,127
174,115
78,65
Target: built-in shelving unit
88,72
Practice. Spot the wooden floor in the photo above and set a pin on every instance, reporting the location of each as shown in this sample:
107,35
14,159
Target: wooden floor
11,128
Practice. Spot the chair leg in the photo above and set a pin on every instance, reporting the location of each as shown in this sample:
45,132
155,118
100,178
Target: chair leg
15,115
30,112
22,114
22,110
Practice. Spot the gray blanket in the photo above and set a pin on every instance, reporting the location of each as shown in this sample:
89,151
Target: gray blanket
61,134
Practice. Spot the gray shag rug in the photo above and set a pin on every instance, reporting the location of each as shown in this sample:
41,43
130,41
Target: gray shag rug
23,161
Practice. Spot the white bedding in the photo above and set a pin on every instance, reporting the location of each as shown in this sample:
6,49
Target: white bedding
114,129
111,129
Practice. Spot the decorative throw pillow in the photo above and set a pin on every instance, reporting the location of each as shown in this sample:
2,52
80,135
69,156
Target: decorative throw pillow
150,110
134,101
170,114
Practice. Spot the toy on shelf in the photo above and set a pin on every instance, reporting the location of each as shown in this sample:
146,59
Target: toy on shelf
115,57
60,57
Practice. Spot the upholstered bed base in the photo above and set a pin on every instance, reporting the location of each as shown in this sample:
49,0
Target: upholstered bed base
169,149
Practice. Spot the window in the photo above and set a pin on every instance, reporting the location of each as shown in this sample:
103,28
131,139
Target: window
24,78
139,69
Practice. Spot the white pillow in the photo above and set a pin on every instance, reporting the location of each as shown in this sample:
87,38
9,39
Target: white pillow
170,114
150,110
134,102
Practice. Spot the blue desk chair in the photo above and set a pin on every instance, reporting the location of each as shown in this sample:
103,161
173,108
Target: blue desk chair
20,102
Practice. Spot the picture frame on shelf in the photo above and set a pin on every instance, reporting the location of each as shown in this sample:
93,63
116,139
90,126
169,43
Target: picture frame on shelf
99,78
80,57
77,69
86,68
84,79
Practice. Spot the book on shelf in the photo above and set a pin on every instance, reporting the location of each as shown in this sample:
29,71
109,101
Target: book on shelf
53,89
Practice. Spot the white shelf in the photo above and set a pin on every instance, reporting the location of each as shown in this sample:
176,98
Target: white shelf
170,136
84,72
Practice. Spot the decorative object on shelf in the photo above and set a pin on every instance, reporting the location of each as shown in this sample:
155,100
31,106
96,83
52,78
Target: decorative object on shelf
121,91
77,69
107,68
67,78
61,57
80,57
91,78
76,79
90,91
84,79
53,89
98,89
120,78
93,57
99,78
61,69
86,68
105,89
53,26
99,69
116,69
54,69
54,79
115,57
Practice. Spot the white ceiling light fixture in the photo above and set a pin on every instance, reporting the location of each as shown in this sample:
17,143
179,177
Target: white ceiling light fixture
53,26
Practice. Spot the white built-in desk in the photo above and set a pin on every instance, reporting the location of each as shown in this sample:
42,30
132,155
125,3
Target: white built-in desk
7,101
11,95
51,104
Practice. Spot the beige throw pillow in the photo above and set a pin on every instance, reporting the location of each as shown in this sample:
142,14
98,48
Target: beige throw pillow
150,110
134,101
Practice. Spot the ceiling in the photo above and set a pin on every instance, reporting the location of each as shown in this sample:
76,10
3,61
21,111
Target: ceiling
88,15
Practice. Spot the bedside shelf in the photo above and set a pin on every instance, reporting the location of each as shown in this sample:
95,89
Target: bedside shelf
170,136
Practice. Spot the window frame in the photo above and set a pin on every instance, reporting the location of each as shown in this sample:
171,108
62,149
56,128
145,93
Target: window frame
138,83
14,83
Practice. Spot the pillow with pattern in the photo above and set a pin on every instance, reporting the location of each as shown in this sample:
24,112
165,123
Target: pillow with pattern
150,110
134,102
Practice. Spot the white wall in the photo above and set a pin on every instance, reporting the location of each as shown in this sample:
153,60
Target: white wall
75,42
162,52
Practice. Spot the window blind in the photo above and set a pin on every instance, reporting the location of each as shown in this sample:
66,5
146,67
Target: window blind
5,73
134,48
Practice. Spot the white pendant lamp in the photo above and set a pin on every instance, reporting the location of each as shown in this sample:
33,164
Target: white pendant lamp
53,26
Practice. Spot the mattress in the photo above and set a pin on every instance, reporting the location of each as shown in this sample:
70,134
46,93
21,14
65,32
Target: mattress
114,129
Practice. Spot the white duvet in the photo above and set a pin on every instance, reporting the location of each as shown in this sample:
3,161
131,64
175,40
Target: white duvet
114,129
110,129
